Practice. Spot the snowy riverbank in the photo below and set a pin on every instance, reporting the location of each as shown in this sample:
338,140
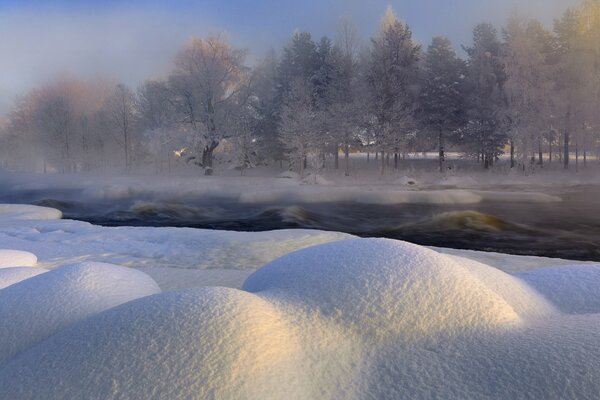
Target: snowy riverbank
335,317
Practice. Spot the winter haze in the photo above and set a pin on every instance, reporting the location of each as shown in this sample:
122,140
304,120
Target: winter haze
130,41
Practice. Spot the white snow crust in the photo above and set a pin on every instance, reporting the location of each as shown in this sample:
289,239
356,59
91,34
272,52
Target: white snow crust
23,211
10,276
16,258
40,306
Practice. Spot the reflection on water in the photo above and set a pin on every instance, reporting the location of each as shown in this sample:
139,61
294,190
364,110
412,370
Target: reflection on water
568,229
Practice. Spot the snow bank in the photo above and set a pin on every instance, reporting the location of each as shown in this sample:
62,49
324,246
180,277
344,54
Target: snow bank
378,286
10,276
289,175
316,179
16,258
40,306
406,181
511,197
572,289
462,181
354,319
24,212
195,344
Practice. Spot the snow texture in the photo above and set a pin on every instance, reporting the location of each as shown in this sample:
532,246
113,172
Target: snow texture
16,258
573,289
22,211
10,276
38,307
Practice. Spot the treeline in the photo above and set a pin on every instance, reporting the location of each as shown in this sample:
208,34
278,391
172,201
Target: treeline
527,91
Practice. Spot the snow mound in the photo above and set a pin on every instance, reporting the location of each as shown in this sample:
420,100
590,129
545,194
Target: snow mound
316,179
289,175
457,181
525,197
10,276
382,287
193,344
17,258
10,212
43,305
406,181
572,289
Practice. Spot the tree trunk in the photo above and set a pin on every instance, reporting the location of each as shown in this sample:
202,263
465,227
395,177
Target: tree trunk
396,159
512,153
566,150
442,156
207,157
576,157
540,155
347,160
550,151
336,157
382,162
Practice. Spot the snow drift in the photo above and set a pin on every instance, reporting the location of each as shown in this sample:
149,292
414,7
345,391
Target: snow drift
10,276
16,258
23,211
351,319
40,306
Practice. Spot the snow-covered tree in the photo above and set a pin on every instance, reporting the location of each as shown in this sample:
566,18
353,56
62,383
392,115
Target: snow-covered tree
122,114
527,59
484,131
207,75
392,74
442,109
299,126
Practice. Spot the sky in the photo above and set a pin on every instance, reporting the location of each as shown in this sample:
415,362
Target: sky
130,41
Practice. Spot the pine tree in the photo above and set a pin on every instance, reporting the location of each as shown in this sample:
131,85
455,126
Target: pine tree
441,108
486,102
392,73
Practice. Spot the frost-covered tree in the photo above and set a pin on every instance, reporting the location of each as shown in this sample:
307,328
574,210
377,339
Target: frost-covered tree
122,114
265,89
207,76
299,126
484,131
442,109
528,64
392,74
160,132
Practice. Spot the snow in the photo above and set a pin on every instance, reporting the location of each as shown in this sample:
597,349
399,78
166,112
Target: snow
462,181
10,276
573,289
23,211
196,344
44,304
16,258
401,281
329,316
406,181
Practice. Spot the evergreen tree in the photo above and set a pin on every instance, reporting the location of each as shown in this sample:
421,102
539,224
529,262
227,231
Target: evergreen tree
393,71
484,131
442,95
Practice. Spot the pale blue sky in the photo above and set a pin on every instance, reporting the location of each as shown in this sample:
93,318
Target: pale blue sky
136,39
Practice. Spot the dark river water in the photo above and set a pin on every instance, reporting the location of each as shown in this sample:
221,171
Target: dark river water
568,229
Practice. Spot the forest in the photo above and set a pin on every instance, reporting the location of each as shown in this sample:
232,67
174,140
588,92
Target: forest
522,96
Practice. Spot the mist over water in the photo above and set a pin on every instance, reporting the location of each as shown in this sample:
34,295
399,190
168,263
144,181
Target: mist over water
569,229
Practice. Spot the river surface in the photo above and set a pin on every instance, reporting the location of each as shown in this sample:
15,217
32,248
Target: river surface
569,229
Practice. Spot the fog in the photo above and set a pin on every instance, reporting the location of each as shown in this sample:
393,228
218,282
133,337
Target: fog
136,41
